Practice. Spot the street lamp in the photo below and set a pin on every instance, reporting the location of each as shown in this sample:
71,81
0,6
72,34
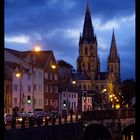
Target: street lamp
73,82
104,90
19,75
53,66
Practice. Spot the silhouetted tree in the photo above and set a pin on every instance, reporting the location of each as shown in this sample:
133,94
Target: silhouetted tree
128,90
64,64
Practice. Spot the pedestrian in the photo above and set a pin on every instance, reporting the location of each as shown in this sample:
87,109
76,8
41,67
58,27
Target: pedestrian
13,122
23,123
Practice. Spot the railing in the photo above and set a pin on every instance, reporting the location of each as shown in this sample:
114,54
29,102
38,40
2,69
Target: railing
108,114
43,122
88,115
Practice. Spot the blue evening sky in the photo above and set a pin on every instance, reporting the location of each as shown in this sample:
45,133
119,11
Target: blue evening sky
56,25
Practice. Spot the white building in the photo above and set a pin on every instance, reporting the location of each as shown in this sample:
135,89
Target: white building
68,101
86,103
17,61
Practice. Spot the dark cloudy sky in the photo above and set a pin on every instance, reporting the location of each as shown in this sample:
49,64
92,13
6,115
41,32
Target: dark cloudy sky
56,25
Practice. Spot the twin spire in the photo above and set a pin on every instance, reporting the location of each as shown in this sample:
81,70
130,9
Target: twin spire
113,56
88,33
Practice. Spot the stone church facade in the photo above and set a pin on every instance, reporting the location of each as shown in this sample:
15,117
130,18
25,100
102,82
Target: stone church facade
89,78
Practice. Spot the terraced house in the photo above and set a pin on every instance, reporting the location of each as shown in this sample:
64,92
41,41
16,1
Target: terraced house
34,80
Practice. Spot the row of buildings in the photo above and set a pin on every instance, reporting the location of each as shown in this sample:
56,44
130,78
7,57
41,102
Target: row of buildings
36,81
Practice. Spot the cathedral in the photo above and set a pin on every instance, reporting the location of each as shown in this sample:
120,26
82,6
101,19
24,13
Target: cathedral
89,76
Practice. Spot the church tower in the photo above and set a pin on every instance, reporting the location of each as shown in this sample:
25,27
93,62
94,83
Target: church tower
114,61
88,61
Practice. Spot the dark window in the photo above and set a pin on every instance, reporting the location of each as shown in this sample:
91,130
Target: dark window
84,86
112,69
29,88
29,76
79,86
34,87
86,51
96,87
102,86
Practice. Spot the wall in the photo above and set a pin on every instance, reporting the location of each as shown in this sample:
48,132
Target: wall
71,131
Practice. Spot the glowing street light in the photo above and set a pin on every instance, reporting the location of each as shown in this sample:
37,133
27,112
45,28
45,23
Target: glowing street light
110,96
73,82
37,49
104,90
53,67
18,75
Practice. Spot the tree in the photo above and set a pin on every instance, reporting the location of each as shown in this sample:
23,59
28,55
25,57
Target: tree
64,64
128,91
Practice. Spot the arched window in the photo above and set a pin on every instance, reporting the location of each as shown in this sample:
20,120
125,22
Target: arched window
91,47
86,51
112,69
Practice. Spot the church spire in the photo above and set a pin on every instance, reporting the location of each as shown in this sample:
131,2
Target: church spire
114,60
88,5
113,49
88,33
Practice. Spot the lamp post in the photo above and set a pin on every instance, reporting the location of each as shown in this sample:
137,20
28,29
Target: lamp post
103,91
19,75
31,56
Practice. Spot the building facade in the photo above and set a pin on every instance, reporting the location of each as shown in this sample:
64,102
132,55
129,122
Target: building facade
68,102
37,83
7,91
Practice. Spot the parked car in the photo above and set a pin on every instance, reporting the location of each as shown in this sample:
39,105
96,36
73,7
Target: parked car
7,118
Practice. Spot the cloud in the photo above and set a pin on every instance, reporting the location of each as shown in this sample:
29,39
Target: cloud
18,39
113,23
130,18
56,25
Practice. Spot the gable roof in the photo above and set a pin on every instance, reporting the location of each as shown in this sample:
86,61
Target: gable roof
41,57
